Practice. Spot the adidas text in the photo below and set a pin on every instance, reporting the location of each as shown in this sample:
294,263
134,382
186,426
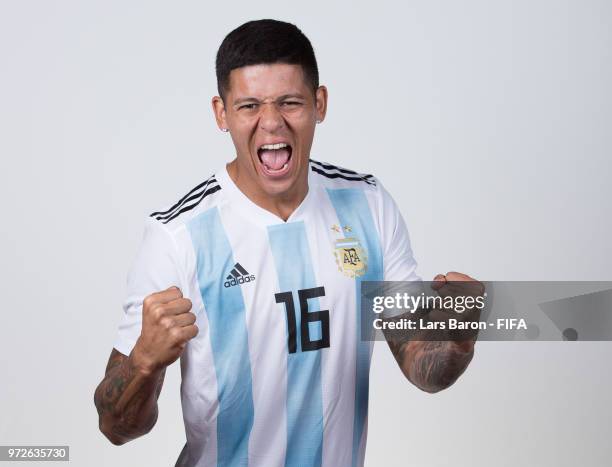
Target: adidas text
240,280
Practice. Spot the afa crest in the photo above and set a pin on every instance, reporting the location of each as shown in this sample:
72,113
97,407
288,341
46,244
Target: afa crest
350,256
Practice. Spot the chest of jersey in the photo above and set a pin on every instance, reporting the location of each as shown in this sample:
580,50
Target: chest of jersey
297,279
280,324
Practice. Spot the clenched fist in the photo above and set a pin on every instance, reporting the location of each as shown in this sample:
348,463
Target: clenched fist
457,283
167,326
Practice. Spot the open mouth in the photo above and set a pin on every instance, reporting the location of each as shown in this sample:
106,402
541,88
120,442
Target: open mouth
275,158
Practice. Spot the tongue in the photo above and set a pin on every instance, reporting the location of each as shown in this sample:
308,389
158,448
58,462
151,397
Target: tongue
274,158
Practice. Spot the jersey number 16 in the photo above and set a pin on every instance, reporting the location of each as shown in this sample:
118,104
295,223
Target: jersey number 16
306,317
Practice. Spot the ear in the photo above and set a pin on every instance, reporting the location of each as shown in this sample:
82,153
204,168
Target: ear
219,111
321,102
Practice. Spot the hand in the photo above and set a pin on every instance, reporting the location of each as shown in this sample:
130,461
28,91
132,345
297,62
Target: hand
457,283
167,326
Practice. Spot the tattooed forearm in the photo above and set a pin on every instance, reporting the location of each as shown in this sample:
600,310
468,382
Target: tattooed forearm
431,365
435,365
431,353
126,399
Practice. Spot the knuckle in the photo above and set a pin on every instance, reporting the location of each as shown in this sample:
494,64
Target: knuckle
166,323
157,311
148,302
175,334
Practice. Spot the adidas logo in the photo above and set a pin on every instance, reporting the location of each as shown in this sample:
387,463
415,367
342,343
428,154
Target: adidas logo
238,275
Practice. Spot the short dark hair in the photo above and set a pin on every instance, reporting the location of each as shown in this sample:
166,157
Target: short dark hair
265,41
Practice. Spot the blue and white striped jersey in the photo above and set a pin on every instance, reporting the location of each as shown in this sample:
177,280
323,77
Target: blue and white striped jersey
278,374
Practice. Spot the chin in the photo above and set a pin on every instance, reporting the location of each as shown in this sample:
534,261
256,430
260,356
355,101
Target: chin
276,188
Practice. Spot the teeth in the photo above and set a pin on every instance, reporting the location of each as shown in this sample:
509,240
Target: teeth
277,170
274,146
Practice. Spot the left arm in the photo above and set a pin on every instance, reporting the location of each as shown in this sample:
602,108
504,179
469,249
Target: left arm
429,363
434,365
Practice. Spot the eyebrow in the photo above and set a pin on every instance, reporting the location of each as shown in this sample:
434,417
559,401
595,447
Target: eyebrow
280,98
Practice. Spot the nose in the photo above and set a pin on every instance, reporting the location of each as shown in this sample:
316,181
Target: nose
271,119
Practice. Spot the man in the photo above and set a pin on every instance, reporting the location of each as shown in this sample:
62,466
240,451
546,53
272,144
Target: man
252,278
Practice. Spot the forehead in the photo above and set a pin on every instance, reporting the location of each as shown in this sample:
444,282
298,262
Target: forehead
267,81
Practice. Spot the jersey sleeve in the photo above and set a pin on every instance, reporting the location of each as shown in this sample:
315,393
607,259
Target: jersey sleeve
155,268
398,259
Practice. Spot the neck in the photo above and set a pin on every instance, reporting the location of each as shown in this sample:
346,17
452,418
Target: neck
282,204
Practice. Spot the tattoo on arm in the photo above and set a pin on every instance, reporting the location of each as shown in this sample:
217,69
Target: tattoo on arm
435,365
431,365
127,400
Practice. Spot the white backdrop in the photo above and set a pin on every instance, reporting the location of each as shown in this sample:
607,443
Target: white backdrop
489,122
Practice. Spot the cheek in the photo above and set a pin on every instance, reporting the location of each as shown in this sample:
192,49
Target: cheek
300,122
305,134
242,146
242,137
300,117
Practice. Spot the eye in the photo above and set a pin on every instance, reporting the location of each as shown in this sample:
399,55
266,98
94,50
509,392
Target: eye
290,103
247,106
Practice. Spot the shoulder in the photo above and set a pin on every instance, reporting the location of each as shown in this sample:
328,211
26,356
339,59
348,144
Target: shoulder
334,176
201,197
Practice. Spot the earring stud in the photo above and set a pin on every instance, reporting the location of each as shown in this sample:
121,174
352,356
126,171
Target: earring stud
225,130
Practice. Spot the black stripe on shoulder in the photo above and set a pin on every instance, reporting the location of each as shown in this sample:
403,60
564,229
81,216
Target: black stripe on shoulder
343,177
194,193
189,201
188,207
339,169
332,171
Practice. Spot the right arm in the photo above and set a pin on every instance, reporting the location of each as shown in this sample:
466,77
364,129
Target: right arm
126,399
